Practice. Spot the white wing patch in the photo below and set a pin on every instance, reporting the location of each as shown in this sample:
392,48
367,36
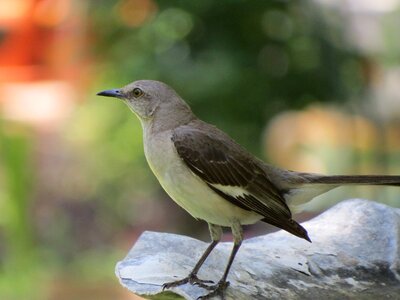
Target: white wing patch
234,191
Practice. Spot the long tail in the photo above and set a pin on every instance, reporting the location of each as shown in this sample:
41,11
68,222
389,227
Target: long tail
313,185
356,179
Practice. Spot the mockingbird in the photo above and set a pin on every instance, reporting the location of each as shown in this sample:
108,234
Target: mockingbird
215,179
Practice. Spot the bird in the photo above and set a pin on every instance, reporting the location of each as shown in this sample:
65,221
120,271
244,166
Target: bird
217,180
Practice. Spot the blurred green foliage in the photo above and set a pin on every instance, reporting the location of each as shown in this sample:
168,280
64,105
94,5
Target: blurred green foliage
236,63
18,257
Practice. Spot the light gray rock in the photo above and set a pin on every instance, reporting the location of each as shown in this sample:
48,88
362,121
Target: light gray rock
355,254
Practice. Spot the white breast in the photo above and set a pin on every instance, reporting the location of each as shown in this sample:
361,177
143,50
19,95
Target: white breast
187,189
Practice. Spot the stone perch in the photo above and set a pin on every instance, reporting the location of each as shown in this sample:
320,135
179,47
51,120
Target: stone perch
355,254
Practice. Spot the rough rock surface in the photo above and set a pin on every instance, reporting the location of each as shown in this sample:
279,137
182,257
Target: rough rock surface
355,254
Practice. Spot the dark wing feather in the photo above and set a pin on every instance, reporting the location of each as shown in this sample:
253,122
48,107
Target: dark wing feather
217,159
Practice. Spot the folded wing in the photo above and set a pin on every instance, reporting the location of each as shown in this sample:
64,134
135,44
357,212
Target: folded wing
233,173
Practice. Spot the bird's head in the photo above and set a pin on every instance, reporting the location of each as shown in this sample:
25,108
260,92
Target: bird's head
146,97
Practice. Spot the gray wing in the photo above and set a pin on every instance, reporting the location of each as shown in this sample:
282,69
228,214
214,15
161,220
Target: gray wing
222,163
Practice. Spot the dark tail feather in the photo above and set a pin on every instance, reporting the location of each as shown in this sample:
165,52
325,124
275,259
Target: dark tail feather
357,179
290,226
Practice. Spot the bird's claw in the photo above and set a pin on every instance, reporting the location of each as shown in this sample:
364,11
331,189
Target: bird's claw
172,284
216,290
192,279
202,283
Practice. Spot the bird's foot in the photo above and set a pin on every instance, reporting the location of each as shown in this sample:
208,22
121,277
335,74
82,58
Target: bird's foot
192,279
216,290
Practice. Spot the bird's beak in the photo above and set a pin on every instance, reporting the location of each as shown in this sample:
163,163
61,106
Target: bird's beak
111,93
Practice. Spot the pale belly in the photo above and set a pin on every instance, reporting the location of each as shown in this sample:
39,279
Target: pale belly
188,190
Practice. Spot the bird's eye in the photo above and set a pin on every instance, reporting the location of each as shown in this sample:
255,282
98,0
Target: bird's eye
137,92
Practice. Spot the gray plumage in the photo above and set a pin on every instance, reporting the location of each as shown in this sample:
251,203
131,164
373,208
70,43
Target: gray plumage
214,178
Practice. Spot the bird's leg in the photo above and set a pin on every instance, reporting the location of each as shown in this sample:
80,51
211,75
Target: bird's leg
220,287
216,233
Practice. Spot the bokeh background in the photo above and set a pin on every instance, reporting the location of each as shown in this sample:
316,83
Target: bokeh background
306,85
